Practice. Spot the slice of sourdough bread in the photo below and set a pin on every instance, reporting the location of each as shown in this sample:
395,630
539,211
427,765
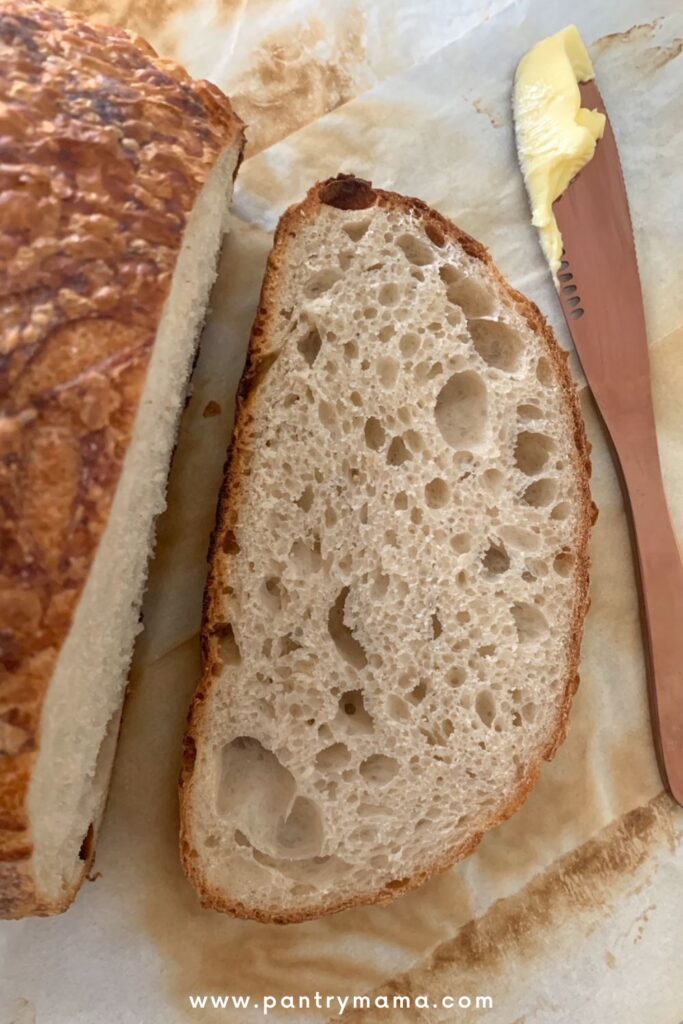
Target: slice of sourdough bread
399,571
116,177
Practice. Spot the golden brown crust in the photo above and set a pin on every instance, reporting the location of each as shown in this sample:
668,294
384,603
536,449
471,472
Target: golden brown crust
347,192
105,148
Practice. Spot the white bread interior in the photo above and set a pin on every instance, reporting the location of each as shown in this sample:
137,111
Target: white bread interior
81,712
399,578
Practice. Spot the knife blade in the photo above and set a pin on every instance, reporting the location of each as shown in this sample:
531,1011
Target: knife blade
601,297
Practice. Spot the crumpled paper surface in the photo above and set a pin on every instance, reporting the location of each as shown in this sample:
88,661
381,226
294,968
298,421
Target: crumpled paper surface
574,908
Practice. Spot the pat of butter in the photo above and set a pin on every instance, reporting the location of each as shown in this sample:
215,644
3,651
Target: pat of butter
556,136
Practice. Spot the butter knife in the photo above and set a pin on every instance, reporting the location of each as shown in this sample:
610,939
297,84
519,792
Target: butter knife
600,294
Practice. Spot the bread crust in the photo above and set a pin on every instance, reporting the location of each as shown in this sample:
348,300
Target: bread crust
348,192
105,149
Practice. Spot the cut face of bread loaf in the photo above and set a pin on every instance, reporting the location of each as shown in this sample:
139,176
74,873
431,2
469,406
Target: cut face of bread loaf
399,574
116,184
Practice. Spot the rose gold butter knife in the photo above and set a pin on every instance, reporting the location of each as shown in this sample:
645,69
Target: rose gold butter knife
602,302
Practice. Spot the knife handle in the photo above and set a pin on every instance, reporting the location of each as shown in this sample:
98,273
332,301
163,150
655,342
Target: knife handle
660,571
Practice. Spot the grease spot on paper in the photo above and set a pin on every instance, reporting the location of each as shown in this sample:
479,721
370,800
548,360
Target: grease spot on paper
297,76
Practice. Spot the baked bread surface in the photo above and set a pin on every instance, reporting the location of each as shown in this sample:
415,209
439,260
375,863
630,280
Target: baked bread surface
105,149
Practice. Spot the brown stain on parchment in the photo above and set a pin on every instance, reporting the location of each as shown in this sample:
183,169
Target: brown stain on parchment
634,34
483,108
296,76
22,1011
645,58
581,887
147,18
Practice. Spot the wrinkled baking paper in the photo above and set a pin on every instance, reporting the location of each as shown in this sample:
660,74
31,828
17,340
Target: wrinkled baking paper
574,908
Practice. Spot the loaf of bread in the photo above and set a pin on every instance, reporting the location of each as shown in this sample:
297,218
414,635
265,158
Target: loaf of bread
399,571
115,178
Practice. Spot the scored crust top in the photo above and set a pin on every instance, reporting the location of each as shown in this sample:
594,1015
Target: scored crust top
105,148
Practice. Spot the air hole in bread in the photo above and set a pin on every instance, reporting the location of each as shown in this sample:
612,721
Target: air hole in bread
530,622
493,480
450,275
229,544
305,558
370,312
540,493
305,501
288,645
345,260
418,693
356,399
415,250
497,344
527,411
328,416
529,711
414,440
435,234
86,847
273,592
461,543
472,298
258,793
518,537
496,559
564,563
401,501
486,650
532,451
437,627
397,453
351,350
342,635
387,371
228,649
437,493
333,758
321,282
485,706
544,372
352,717
380,585
397,708
375,435
461,410
409,344
389,294
561,511
356,229
368,810
379,769
456,676
309,346
300,834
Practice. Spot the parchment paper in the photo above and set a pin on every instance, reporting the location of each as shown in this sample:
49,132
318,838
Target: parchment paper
589,874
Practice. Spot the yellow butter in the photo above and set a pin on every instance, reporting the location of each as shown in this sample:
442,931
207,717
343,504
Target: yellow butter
556,136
